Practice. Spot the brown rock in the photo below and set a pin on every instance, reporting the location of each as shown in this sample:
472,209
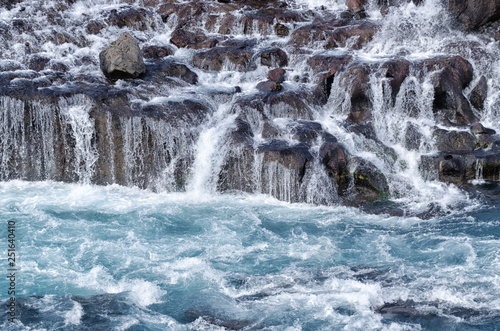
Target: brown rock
277,75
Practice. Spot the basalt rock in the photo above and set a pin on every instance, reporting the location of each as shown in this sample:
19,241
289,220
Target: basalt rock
369,182
122,59
454,140
479,94
452,75
473,14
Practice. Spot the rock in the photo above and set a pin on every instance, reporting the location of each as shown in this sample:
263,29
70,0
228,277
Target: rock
178,70
274,57
277,75
157,52
356,6
454,140
357,79
183,38
473,14
122,59
325,68
335,34
335,158
95,27
369,183
281,30
38,62
479,94
413,137
396,72
478,128
294,157
452,75
269,86
134,18
225,57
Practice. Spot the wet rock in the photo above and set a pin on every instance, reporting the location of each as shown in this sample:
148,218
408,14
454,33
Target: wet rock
38,62
269,86
183,38
134,18
356,6
274,57
281,30
357,78
122,59
225,57
396,72
294,157
478,128
454,140
452,75
335,34
413,137
277,75
325,68
335,158
473,14
369,182
177,70
94,27
156,52
479,94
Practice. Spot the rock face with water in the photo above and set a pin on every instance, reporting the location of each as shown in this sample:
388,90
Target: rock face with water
304,105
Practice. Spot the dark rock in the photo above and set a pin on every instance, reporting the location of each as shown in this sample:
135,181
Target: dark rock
369,183
452,75
216,59
277,75
38,62
156,52
326,67
473,14
357,77
274,57
356,6
122,59
335,34
396,71
177,70
479,94
307,131
478,128
269,86
335,158
183,38
454,140
281,30
413,137
95,27
134,18
295,157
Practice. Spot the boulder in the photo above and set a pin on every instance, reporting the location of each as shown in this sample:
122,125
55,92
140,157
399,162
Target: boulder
269,86
413,137
356,79
281,30
122,59
478,128
454,140
231,56
325,69
479,93
157,52
277,75
395,71
369,182
274,57
473,14
335,158
356,6
183,38
452,75
131,17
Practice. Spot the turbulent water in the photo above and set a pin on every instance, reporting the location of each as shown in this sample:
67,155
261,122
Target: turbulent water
114,258
166,250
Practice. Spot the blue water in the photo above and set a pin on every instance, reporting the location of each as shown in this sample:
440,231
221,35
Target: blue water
115,258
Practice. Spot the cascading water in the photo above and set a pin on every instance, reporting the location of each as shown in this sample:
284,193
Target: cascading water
281,165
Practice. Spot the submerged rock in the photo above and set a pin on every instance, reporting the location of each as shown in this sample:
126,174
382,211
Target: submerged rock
122,59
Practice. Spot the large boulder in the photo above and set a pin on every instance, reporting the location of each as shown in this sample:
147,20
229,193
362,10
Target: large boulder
448,141
122,59
473,14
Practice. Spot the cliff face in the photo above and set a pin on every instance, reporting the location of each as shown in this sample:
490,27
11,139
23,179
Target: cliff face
324,105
